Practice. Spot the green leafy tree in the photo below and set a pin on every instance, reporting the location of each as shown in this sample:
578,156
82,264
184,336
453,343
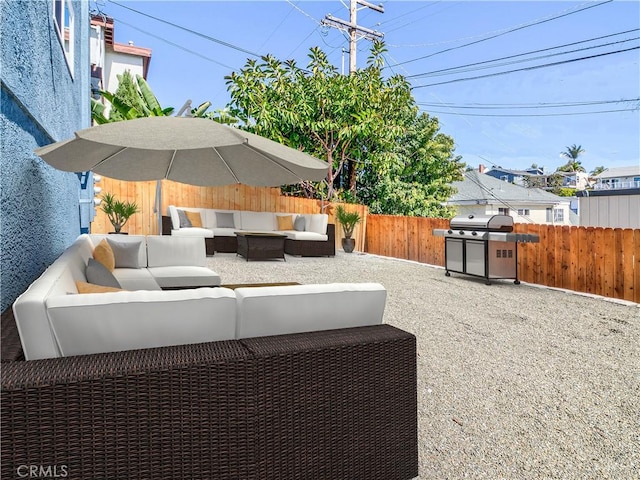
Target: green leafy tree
348,120
419,179
132,99
597,171
364,125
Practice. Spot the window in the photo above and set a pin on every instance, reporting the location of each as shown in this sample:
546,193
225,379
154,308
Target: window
63,20
524,212
503,211
555,215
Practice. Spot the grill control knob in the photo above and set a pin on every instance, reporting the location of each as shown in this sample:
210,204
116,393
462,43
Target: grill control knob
461,232
449,232
474,233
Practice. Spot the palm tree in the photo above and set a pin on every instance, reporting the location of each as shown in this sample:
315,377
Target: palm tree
597,171
573,164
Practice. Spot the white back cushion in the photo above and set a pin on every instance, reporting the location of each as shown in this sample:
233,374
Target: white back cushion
258,221
112,322
265,311
175,219
57,280
170,250
317,223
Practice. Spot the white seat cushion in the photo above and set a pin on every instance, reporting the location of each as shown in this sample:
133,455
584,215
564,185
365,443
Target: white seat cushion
294,235
192,232
135,279
265,311
185,276
225,232
112,322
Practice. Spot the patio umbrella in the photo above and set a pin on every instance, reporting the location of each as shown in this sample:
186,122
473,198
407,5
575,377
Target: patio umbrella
195,151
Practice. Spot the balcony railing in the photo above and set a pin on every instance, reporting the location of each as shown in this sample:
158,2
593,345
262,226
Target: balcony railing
617,185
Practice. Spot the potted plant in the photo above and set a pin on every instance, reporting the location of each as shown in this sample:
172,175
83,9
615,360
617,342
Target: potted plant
348,220
117,212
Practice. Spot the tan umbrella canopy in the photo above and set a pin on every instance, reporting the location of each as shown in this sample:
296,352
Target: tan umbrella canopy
195,151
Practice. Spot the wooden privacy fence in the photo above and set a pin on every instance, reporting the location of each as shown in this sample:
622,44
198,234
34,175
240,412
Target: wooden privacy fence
602,261
231,197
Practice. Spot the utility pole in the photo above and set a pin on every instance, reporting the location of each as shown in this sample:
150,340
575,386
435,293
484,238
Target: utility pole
356,32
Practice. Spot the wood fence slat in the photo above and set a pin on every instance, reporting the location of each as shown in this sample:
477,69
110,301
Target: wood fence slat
636,266
618,254
609,263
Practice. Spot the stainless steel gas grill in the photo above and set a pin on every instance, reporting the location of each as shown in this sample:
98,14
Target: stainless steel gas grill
483,246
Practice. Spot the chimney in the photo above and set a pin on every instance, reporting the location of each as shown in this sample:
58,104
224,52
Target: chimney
481,168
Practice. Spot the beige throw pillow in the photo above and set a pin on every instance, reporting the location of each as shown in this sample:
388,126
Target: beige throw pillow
285,222
194,218
104,255
84,287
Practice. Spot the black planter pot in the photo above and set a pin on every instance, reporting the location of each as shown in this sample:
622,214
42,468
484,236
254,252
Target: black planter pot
348,244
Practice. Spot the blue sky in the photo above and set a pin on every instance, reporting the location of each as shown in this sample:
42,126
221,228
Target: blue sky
183,65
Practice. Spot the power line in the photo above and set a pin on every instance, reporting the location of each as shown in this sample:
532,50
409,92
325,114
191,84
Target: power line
521,27
535,67
202,35
460,67
174,44
533,114
505,106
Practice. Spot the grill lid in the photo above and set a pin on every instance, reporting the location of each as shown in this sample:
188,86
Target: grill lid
492,223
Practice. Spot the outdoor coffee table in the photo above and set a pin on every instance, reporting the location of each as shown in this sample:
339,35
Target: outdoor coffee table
260,246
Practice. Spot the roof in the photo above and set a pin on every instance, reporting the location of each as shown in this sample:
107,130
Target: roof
480,188
620,172
523,173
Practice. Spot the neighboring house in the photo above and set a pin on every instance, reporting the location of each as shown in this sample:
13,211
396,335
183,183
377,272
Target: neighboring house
614,201
481,194
110,59
618,178
516,177
44,79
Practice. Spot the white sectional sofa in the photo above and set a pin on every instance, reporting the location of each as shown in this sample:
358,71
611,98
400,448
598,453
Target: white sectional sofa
54,320
164,262
309,235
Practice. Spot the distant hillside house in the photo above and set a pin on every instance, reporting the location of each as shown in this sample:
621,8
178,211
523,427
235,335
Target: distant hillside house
110,59
482,194
618,178
512,176
538,178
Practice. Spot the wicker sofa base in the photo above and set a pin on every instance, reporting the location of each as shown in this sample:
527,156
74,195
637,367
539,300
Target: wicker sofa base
336,404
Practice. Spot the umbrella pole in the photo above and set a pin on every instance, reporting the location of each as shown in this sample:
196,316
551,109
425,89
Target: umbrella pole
158,205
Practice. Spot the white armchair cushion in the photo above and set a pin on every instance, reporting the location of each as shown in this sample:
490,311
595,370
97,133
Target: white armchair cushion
171,250
111,322
265,311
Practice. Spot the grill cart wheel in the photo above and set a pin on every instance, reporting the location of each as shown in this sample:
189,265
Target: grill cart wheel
517,282
447,274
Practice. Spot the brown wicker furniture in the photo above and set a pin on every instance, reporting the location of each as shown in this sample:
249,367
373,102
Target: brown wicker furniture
260,246
308,248
335,404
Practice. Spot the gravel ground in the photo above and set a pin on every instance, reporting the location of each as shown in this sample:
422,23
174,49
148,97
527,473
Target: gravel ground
514,382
